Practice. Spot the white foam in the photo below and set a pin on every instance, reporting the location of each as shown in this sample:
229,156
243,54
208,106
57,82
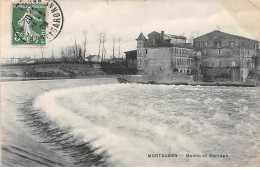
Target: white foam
130,121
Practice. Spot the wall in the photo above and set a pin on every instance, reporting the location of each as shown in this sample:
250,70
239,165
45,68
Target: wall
225,62
222,74
158,61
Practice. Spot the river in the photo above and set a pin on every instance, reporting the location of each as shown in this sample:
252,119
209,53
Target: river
147,125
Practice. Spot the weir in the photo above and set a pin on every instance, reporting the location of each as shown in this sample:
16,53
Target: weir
21,145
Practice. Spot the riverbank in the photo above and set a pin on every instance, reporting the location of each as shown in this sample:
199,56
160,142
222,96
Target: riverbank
140,80
21,145
228,84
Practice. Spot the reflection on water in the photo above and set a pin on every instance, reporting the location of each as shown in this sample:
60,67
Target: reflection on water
131,121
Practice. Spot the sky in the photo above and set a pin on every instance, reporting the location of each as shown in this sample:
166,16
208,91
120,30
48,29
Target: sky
126,19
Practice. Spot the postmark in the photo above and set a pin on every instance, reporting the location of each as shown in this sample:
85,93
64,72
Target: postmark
36,22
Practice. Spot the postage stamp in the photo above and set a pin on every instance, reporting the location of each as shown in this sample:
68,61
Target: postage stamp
29,22
36,23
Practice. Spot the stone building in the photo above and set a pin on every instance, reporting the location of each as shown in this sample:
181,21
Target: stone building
164,55
227,56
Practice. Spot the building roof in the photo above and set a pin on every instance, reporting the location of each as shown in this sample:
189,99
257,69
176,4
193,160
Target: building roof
174,36
141,37
154,32
235,36
132,51
131,54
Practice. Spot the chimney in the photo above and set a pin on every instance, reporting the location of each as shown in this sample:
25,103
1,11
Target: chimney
162,35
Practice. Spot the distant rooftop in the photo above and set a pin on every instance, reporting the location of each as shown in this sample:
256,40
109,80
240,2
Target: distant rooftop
141,37
174,36
237,36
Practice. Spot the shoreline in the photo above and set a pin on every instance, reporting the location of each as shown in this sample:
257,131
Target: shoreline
202,84
125,79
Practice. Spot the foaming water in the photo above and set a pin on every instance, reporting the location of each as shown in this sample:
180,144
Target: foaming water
130,121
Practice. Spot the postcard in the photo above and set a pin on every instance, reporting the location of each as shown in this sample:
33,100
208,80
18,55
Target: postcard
130,83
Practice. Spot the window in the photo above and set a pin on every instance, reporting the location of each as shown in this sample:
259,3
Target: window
201,44
146,63
232,44
218,45
205,52
146,51
254,46
219,63
233,51
233,63
247,52
219,52
177,50
139,51
139,61
248,64
206,44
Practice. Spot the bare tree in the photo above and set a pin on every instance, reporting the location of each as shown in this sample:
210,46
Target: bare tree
103,47
113,47
75,49
193,35
62,54
84,45
119,47
190,39
100,41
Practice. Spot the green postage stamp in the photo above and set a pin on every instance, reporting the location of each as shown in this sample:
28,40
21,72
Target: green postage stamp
36,23
29,24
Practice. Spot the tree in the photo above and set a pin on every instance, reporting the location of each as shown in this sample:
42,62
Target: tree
75,50
84,44
103,46
63,55
193,35
113,48
119,47
99,45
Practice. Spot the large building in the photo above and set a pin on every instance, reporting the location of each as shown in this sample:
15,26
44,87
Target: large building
164,54
227,56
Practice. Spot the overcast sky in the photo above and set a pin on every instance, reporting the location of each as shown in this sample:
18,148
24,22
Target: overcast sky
126,19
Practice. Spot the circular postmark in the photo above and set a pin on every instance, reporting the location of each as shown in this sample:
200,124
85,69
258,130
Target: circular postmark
36,22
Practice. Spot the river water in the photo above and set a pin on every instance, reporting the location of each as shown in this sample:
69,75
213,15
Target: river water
131,124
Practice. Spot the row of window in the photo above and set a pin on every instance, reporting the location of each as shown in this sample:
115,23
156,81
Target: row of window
181,51
183,61
140,51
233,64
244,52
220,64
247,64
178,51
219,45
